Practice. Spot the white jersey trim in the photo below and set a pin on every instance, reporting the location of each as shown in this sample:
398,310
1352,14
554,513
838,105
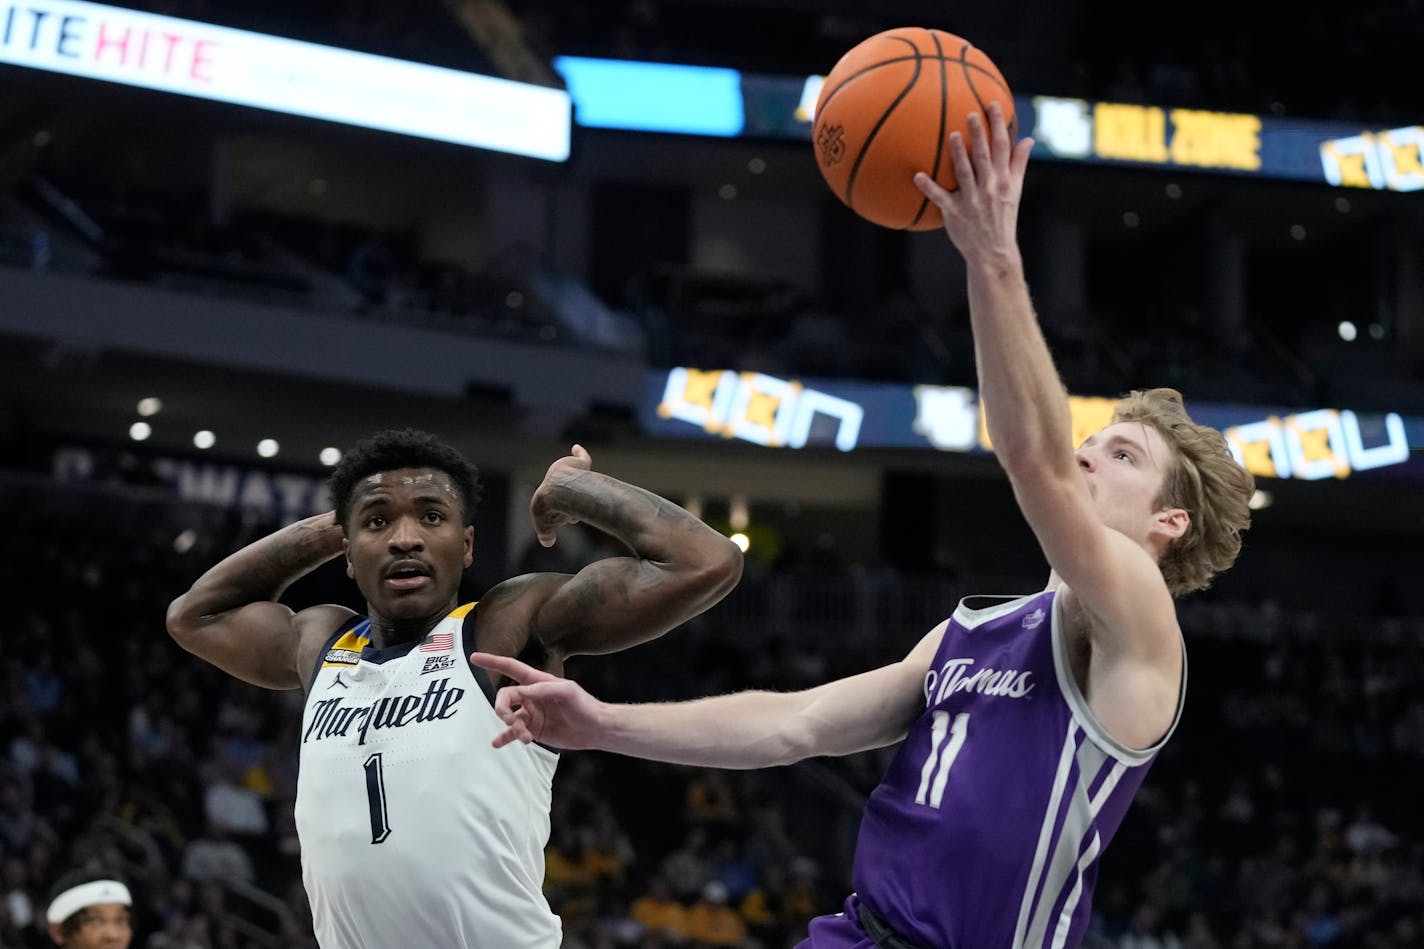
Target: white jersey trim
1045,834
969,618
1078,702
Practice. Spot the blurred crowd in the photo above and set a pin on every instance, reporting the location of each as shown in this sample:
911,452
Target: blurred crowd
517,294
1280,815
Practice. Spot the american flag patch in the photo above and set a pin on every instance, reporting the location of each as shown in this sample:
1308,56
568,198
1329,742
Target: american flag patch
438,642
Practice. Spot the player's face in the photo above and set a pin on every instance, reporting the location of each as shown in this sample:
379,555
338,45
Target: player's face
105,926
407,544
1125,466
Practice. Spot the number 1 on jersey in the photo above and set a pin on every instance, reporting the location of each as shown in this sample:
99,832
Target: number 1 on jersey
376,798
941,754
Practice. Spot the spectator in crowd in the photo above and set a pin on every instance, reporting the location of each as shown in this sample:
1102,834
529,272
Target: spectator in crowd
711,922
89,910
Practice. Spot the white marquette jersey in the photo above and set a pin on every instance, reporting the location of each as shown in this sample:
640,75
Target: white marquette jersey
415,833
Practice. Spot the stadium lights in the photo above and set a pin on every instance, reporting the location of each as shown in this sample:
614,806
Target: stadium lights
738,515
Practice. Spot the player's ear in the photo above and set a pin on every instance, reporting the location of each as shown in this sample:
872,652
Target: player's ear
1172,523
469,544
346,554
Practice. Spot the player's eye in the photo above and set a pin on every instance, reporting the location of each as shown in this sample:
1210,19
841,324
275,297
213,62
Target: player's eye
375,522
1123,454
434,517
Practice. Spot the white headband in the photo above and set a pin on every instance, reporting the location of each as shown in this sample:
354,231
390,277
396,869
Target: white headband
86,895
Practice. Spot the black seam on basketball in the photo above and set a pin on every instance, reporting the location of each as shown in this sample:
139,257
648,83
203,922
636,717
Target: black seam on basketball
943,121
906,59
880,123
969,81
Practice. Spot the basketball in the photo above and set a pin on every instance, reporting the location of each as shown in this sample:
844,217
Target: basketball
885,112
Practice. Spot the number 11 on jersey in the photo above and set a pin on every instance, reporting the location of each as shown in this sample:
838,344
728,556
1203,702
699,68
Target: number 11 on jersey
935,773
376,798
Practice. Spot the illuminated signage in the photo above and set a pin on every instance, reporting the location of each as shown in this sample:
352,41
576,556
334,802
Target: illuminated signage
758,408
282,75
1392,160
653,97
1187,138
785,413
284,495
1314,445
696,100
1323,443
947,416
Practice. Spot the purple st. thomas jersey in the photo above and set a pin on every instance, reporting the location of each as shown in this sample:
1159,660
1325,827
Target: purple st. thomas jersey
986,830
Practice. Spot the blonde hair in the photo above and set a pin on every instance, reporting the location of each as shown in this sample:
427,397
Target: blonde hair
1204,480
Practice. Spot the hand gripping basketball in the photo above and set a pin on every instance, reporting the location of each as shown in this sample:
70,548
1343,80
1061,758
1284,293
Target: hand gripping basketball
981,215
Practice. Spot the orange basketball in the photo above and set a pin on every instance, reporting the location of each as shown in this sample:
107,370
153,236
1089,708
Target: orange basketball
886,111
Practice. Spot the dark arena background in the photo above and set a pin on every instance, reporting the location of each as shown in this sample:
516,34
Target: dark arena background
225,257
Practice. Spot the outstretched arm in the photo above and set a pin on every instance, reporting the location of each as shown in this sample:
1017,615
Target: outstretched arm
740,730
677,566
1133,624
230,616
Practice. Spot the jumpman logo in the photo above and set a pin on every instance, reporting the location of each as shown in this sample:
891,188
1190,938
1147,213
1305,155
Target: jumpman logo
337,681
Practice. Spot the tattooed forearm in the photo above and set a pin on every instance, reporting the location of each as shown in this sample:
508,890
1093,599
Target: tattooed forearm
644,521
265,568
678,566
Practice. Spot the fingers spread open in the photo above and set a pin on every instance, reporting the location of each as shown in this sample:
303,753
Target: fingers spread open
978,142
963,167
1019,162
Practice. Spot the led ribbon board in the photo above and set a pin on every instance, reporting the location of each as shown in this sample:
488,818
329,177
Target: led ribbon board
282,75
793,414
699,100
654,97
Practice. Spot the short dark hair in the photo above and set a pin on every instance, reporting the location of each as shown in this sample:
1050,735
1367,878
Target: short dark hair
69,881
397,448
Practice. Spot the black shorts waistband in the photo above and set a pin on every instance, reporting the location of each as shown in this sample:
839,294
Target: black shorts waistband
879,930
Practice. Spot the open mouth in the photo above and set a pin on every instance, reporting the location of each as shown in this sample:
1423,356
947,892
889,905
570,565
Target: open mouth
408,575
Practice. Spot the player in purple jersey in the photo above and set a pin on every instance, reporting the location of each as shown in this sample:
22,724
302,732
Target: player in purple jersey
1027,723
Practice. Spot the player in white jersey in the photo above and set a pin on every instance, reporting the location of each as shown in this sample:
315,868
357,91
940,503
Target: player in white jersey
1026,725
413,832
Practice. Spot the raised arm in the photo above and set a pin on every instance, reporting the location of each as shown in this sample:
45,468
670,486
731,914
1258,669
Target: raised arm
230,616
676,567
740,730
1026,410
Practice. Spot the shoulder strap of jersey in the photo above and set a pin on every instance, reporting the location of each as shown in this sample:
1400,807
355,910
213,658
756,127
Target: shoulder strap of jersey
350,624
467,642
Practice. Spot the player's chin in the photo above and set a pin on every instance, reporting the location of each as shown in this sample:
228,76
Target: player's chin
410,604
